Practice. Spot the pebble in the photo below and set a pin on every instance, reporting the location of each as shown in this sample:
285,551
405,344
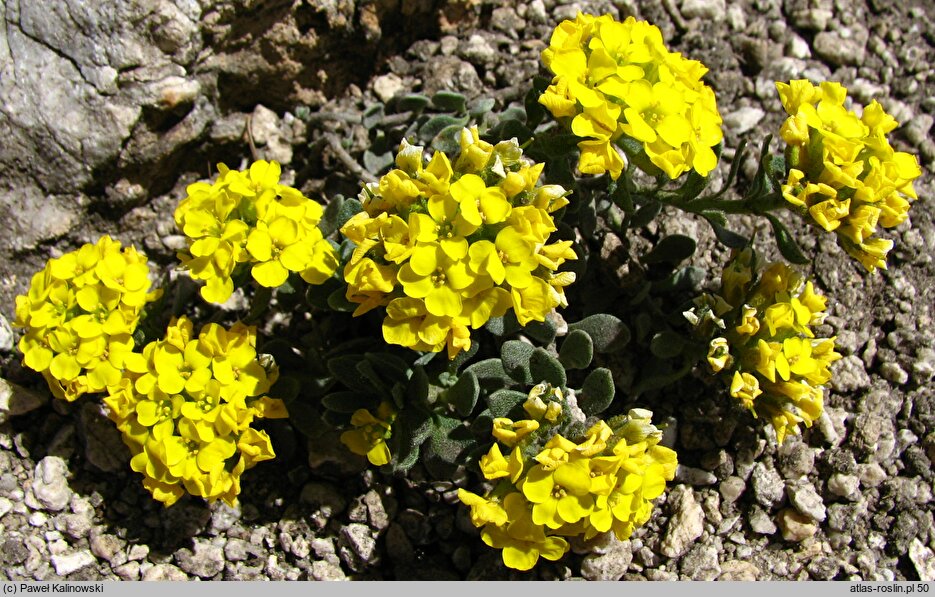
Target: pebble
164,572
795,459
5,506
479,51
685,525
611,563
894,373
107,547
923,559
325,570
49,486
761,523
361,542
739,570
796,47
806,500
704,9
376,510
694,476
128,571
38,519
16,400
743,120
850,375
138,552
845,486
205,561
387,86
6,335
223,517
731,488
795,527
842,46
701,563
768,487
65,564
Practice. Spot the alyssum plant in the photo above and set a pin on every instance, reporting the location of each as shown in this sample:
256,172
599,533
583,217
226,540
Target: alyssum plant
481,248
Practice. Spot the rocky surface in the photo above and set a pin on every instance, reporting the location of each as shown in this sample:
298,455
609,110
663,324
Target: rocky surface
108,113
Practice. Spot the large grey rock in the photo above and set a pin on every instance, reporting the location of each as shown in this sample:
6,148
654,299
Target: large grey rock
49,485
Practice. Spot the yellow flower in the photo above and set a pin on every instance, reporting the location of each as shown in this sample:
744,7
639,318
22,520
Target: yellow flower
521,540
493,465
368,438
483,511
510,432
719,354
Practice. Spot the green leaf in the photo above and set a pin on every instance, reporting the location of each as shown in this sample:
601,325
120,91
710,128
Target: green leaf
667,344
449,101
577,350
786,243
372,116
597,392
305,417
501,402
286,388
694,184
413,102
550,145
487,369
411,428
376,164
685,278
390,367
727,237
481,106
337,300
463,395
437,124
449,438
508,129
515,356
637,155
348,402
463,357
607,332
448,140
344,369
349,208
418,391
503,326
540,331
645,214
545,367
671,249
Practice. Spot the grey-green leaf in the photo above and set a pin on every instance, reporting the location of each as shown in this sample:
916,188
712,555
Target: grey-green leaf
597,392
667,344
577,350
545,367
607,332
463,395
671,249
515,356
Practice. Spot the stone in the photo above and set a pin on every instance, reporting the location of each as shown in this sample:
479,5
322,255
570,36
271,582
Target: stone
376,510
701,563
272,135
65,564
107,547
16,400
731,488
6,335
223,517
795,459
796,47
235,550
387,86
713,10
796,527
610,562
5,506
845,486
823,568
361,543
128,571
806,500
739,570
324,497
398,547
478,50
164,572
205,561
842,46
14,551
449,73
760,522
768,487
325,570
894,373
685,525
923,559
850,375
103,447
694,476
49,485
743,120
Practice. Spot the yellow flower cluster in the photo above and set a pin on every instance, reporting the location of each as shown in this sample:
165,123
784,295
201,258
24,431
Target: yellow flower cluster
844,176
544,493
446,247
249,218
80,314
614,79
767,347
369,435
185,407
